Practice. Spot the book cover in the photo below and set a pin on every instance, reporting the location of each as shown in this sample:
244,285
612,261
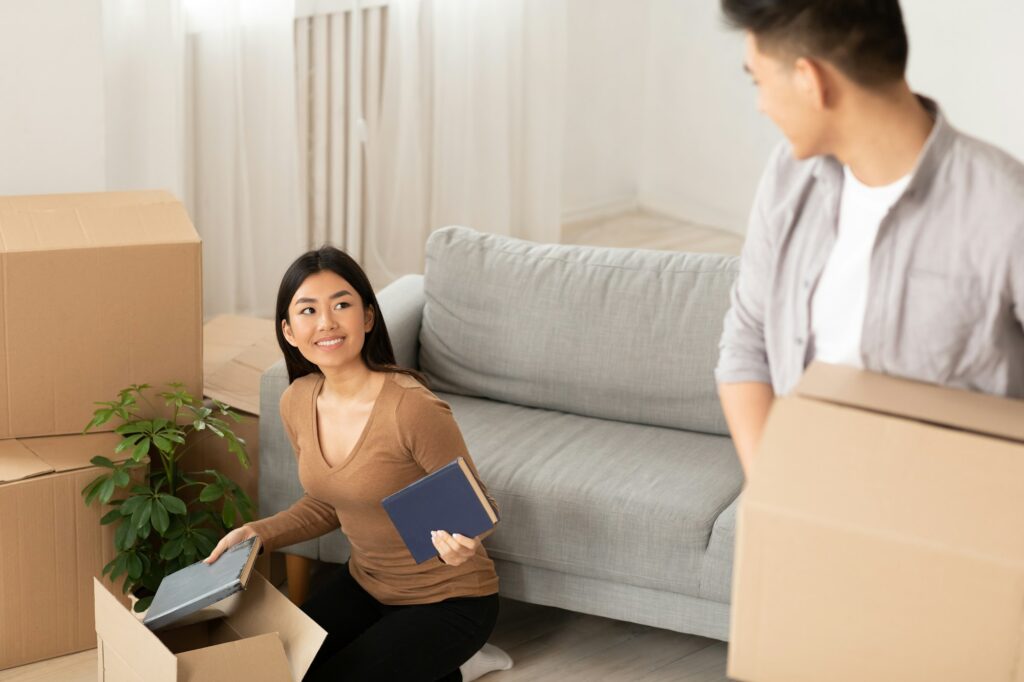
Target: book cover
449,499
199,585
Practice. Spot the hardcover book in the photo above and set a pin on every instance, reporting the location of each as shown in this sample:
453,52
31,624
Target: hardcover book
450,499
199,585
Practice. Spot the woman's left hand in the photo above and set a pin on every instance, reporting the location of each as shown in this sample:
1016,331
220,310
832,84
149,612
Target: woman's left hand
454,549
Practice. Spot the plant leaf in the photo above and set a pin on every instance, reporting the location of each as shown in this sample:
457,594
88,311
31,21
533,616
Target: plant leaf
134,566
143,604
228,513
211,492
159,518
106,489
173,504
111,516
171,549
101,461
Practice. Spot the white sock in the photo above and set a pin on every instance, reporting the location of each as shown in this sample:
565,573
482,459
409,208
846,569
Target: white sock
488,659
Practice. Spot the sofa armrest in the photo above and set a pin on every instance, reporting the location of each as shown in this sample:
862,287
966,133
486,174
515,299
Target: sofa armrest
279,485
401,305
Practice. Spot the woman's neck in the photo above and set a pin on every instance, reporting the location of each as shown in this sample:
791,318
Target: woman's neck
351,383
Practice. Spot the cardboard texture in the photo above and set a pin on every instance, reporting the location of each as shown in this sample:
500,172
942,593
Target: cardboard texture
266,638
881,536
53,546
128,267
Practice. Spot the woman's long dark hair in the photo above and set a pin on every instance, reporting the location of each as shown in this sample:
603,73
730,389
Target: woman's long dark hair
377,352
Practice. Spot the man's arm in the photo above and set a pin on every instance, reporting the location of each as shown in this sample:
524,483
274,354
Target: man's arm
743,373
746,407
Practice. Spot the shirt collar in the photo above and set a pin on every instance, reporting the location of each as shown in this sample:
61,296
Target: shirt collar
829,170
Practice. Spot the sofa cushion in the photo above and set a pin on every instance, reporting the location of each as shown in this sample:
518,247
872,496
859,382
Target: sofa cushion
716,574
601,499
619,334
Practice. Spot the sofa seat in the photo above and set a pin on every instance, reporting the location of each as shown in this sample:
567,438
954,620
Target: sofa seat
600,499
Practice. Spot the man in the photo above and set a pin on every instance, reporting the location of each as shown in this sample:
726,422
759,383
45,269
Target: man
880,237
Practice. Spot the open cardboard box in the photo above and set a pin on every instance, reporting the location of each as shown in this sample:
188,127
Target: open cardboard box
263,638
881,536
53,546
127,270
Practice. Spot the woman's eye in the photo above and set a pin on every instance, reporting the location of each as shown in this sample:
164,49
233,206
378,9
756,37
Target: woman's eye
342,305
306,311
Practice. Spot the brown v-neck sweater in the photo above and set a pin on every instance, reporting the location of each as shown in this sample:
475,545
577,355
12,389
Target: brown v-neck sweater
410,433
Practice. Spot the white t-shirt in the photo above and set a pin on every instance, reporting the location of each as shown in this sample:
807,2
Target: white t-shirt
838,304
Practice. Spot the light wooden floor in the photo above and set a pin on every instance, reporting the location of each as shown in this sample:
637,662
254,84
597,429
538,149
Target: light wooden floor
550,644
546,644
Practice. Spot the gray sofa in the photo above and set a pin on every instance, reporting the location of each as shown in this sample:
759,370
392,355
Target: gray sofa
581,378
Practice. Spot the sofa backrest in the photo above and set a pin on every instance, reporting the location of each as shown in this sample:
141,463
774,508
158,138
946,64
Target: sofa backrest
621,334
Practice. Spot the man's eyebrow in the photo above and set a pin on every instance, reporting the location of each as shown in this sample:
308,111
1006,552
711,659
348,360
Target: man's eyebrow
337,294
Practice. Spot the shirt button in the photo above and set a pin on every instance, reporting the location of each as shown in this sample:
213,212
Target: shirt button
807,284
799,340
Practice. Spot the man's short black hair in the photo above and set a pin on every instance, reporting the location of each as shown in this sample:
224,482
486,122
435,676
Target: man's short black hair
865,39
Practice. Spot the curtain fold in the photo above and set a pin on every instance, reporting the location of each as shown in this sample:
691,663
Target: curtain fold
470,129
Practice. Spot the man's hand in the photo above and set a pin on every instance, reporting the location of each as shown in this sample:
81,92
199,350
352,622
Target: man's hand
229,540
746,407
454,549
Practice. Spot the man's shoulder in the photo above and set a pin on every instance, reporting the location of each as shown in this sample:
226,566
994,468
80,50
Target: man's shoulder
976,164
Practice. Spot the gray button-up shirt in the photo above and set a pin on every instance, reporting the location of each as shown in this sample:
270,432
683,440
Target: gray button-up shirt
945,299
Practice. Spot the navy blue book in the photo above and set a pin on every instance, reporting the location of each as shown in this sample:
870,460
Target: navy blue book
449,499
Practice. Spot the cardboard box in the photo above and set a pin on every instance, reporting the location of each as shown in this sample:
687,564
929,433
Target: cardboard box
881,536
97,291
265,638
52,546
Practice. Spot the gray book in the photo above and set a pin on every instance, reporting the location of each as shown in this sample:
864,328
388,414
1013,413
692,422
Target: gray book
199,585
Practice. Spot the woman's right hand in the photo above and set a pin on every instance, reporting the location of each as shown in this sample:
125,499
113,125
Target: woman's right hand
229,540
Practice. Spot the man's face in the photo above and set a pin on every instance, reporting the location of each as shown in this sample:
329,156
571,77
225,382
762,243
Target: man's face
788,98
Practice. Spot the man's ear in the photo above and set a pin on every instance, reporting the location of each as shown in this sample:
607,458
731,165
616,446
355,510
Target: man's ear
368,319
286,329
812,82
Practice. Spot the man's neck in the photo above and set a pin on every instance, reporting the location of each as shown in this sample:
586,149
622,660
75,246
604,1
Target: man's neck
883,135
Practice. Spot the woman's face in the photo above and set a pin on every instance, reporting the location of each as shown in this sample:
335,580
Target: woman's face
327,321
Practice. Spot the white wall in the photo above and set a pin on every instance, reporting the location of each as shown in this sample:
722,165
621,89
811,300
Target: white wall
970,57
52,131
703,142
606,56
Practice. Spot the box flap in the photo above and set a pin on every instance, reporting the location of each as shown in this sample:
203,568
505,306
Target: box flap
259,658
139,648
65,453
264,609
17,462
966,410
236,352
81,221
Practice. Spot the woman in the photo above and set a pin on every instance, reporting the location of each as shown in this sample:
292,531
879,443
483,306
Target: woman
363,428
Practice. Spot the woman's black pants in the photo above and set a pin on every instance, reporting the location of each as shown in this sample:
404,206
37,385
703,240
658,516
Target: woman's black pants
367,640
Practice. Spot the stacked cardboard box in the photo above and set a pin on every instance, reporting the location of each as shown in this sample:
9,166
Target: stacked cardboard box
881,536
97,291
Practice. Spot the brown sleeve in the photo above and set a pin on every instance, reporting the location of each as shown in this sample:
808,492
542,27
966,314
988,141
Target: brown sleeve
428,431
308,518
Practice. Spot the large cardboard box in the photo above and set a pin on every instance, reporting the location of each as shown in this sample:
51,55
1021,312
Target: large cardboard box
51,546
881,536
263,638
97,291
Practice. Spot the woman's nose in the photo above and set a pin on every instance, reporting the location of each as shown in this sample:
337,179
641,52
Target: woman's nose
327,320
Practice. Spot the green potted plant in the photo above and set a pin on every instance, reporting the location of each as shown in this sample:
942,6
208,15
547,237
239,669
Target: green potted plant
166,518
